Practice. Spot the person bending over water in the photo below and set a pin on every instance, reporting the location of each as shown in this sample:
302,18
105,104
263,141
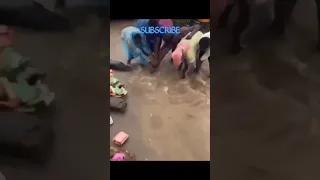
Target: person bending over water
153,40
186,54
171,41
135,45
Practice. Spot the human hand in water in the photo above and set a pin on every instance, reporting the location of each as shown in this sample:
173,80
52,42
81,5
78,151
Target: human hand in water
153,60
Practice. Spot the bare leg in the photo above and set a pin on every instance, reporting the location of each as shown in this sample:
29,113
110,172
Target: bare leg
223,19
129,60
241,24
283,10
190,69
198,65
185,67
174,46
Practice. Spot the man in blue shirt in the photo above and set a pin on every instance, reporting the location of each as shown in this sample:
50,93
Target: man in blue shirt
154,40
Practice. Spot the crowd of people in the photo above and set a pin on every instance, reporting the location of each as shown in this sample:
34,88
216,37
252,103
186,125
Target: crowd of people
189,48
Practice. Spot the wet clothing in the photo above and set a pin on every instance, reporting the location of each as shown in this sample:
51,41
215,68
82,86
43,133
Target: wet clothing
151,38
180,56
133,50
187,53
194,47
171,43
181,51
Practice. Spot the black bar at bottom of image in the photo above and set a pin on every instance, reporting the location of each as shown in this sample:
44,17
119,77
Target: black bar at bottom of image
156,169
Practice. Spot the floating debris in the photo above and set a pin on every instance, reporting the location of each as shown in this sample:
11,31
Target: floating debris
165,89
128,156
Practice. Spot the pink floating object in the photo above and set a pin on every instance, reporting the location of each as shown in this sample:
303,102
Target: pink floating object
120,138
118,157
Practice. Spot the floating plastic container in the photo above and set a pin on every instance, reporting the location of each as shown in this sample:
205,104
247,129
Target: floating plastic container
120,138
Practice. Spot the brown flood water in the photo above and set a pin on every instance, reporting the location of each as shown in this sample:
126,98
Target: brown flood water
167,118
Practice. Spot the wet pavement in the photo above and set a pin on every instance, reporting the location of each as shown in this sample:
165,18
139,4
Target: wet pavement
167,118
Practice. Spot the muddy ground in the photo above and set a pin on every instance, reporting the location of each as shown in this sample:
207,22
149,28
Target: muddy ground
167,118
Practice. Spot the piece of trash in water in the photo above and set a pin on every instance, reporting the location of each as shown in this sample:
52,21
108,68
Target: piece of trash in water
146,159
120,138
111,120
150,140
113,151
166,89
118,157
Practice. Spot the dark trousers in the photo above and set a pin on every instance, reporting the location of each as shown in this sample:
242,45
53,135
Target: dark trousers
283,10
242,22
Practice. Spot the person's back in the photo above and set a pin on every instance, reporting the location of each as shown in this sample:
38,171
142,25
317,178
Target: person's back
128,31
194,42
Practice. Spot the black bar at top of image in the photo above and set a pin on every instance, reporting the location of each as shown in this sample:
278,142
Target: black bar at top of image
160,169
171,9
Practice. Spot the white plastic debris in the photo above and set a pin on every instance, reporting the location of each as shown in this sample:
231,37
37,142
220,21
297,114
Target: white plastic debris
111,120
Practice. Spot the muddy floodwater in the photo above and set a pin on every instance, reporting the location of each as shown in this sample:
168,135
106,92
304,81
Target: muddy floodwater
167,118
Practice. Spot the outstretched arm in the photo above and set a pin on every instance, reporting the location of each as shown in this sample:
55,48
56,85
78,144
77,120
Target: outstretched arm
157,47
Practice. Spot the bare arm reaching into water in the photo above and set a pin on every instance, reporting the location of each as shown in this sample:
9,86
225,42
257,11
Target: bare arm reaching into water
157,48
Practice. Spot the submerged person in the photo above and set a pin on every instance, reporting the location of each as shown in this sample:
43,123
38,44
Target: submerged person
186,54
135,45
172,40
